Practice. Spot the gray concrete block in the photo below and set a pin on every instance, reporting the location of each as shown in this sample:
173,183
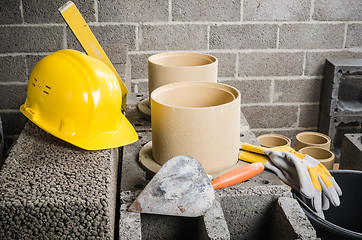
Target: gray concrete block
13,95
311,36
140,87
135,11
10,12
252,91
31,39
308,116
226,64
289,221
305,90
117,52
272,116
139,121
337,10
107,35
206,10
130,223
246,36
13,69
315,60
270,64
13,122
354,35
36,11
31,61
139,64
351,154
279,10
173,37
214,226
51,189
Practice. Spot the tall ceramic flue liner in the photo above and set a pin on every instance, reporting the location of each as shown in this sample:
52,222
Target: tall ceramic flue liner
198,119
171,67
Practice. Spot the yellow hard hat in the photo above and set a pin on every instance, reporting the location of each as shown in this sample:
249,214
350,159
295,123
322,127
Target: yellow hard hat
78,99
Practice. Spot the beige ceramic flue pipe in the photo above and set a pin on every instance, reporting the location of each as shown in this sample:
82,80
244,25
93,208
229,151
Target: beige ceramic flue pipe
171,67
273,140
312,139
197,119
323,155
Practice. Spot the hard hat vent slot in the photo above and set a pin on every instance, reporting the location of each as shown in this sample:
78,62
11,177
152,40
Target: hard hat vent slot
48,87
45,92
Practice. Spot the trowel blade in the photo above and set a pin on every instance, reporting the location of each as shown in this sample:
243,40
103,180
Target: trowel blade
180,188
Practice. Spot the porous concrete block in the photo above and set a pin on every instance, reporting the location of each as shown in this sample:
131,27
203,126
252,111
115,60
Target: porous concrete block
107,35
288,221
173,37
214,226
10,12
308,116
31,39
52,189
271,116
129,222
226,64
139,64
12,95
205,10
31,61
304,90
13,122
13,69
270,64
245,36
252,91
135,11
271,10
315,60
351,154
354,35
311,36
337,10
140,87
37,11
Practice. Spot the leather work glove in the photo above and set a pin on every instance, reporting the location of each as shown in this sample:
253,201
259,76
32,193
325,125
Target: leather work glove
303,173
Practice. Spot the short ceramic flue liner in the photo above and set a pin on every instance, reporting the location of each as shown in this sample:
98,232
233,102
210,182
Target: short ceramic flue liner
273,140
308,139
197,119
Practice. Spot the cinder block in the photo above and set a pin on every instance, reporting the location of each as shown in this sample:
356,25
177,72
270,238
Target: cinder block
142,87
13,122
13,95
245,36
173,37
354,35
311,36
271,10
135,11
31,39
51,189
305,90
273,116
139,64
226,64
31,61
206,10
315,60
270,64
37,11
117,53
107,35
252,91
10,12
351,154
308,117
13,69
337,10
288,221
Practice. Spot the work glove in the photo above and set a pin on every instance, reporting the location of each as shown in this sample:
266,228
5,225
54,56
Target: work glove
303,173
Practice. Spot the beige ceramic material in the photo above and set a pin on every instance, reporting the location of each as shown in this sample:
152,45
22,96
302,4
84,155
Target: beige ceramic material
171,67
197,119
273,140
306,139
323,155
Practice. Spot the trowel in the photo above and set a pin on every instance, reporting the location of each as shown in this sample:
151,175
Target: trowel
182,188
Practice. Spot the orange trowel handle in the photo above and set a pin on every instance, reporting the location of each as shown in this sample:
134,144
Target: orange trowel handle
237,175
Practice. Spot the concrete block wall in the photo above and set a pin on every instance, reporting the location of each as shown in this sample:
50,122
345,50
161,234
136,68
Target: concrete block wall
273,51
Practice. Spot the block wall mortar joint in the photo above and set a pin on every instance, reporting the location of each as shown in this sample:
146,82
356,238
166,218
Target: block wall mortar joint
345,35
271,93
96,13
277,38
311,10
304,63
241,10
169,10
21,11
236,73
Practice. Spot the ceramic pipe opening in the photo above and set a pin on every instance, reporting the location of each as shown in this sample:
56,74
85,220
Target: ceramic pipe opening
317,153
182,59
313,139
273,140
